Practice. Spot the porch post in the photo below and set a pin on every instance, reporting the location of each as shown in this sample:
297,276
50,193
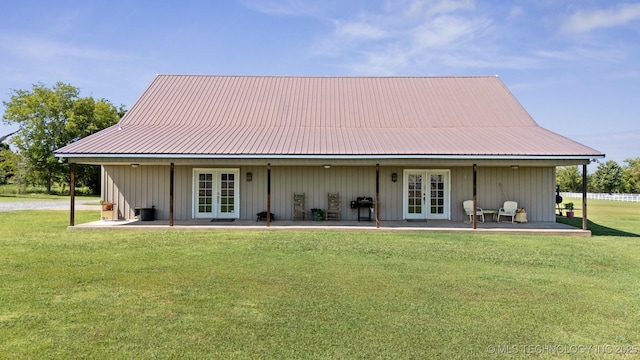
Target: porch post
268,194
171,177
584,197
72,192
377,207
475,193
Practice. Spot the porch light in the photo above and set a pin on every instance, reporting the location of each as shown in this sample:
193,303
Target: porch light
394,177
249,176
515,167
327,166
135,165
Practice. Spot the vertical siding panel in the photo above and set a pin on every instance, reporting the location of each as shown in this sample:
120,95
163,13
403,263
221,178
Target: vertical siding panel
148,185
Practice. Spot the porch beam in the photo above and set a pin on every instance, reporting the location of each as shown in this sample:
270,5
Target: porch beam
475,194
584,197
72,193
171,192
268,194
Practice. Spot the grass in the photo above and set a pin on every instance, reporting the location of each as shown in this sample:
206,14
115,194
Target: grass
218,294
36,192
607,218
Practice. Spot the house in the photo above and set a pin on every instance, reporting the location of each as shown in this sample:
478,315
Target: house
223,147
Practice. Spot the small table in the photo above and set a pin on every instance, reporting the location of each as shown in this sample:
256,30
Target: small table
492,212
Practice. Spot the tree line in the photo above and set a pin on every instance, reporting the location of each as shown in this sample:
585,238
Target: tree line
608,178
50,118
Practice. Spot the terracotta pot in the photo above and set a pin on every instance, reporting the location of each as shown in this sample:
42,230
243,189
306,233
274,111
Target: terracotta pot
107,206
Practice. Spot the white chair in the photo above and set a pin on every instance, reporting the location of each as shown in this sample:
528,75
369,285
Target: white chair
508,209
468,209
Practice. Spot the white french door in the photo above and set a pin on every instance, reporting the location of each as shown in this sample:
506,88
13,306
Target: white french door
216,193
427,194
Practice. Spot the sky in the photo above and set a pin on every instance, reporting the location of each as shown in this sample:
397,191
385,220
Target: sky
573,64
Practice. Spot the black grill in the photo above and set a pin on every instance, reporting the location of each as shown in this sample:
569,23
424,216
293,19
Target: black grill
558,200
365,203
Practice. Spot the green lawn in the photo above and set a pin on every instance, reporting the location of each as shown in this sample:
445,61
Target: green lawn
268,294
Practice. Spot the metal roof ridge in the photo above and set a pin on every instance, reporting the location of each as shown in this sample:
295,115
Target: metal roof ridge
335,76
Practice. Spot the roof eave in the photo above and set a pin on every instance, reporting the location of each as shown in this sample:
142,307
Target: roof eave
590,157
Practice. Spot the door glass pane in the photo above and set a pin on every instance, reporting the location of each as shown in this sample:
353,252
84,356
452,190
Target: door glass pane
414,203
227,193
437,194
205,193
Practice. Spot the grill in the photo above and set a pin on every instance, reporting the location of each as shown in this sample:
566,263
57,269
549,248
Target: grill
365,203
558,200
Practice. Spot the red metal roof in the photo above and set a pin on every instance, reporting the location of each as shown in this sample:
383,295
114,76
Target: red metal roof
287,115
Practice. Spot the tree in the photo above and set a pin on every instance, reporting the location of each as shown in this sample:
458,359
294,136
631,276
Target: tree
569,179
632,176
8,163
50,118
608,178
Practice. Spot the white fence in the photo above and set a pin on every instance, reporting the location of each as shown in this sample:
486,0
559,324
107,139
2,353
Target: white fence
614,197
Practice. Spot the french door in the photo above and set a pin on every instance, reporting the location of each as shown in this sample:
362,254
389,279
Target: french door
216,193
427,194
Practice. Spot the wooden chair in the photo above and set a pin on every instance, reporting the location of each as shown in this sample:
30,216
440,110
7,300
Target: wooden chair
299,211
333,206
468,209
508,209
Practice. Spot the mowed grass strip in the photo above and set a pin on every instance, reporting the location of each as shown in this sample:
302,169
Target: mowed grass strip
240,294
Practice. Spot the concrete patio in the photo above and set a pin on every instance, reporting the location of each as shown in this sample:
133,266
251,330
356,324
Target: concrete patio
442,226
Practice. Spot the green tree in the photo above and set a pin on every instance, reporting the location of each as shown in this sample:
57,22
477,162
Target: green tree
569,179
50,118
608,178
632,176
8,163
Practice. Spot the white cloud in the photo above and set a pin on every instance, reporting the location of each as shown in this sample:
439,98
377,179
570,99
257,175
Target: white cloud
403,34
359,30
587,20
515,12
287,7
599,54
446,31
43,50
438,7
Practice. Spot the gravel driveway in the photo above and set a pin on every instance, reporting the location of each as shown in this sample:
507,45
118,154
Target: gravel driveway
47,205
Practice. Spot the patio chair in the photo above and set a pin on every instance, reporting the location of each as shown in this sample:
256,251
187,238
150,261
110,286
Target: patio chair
468,209
508,209
299,212
333,206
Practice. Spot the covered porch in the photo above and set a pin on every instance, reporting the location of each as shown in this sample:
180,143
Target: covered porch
435,226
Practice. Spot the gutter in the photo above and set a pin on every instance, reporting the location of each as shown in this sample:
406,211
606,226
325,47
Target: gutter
332,157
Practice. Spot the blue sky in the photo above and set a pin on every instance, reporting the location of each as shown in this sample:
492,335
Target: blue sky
574,65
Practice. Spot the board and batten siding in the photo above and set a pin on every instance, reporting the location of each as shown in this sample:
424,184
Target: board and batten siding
148,185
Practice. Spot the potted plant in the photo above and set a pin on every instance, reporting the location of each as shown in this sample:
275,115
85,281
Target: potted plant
569,207
106,205
318,214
